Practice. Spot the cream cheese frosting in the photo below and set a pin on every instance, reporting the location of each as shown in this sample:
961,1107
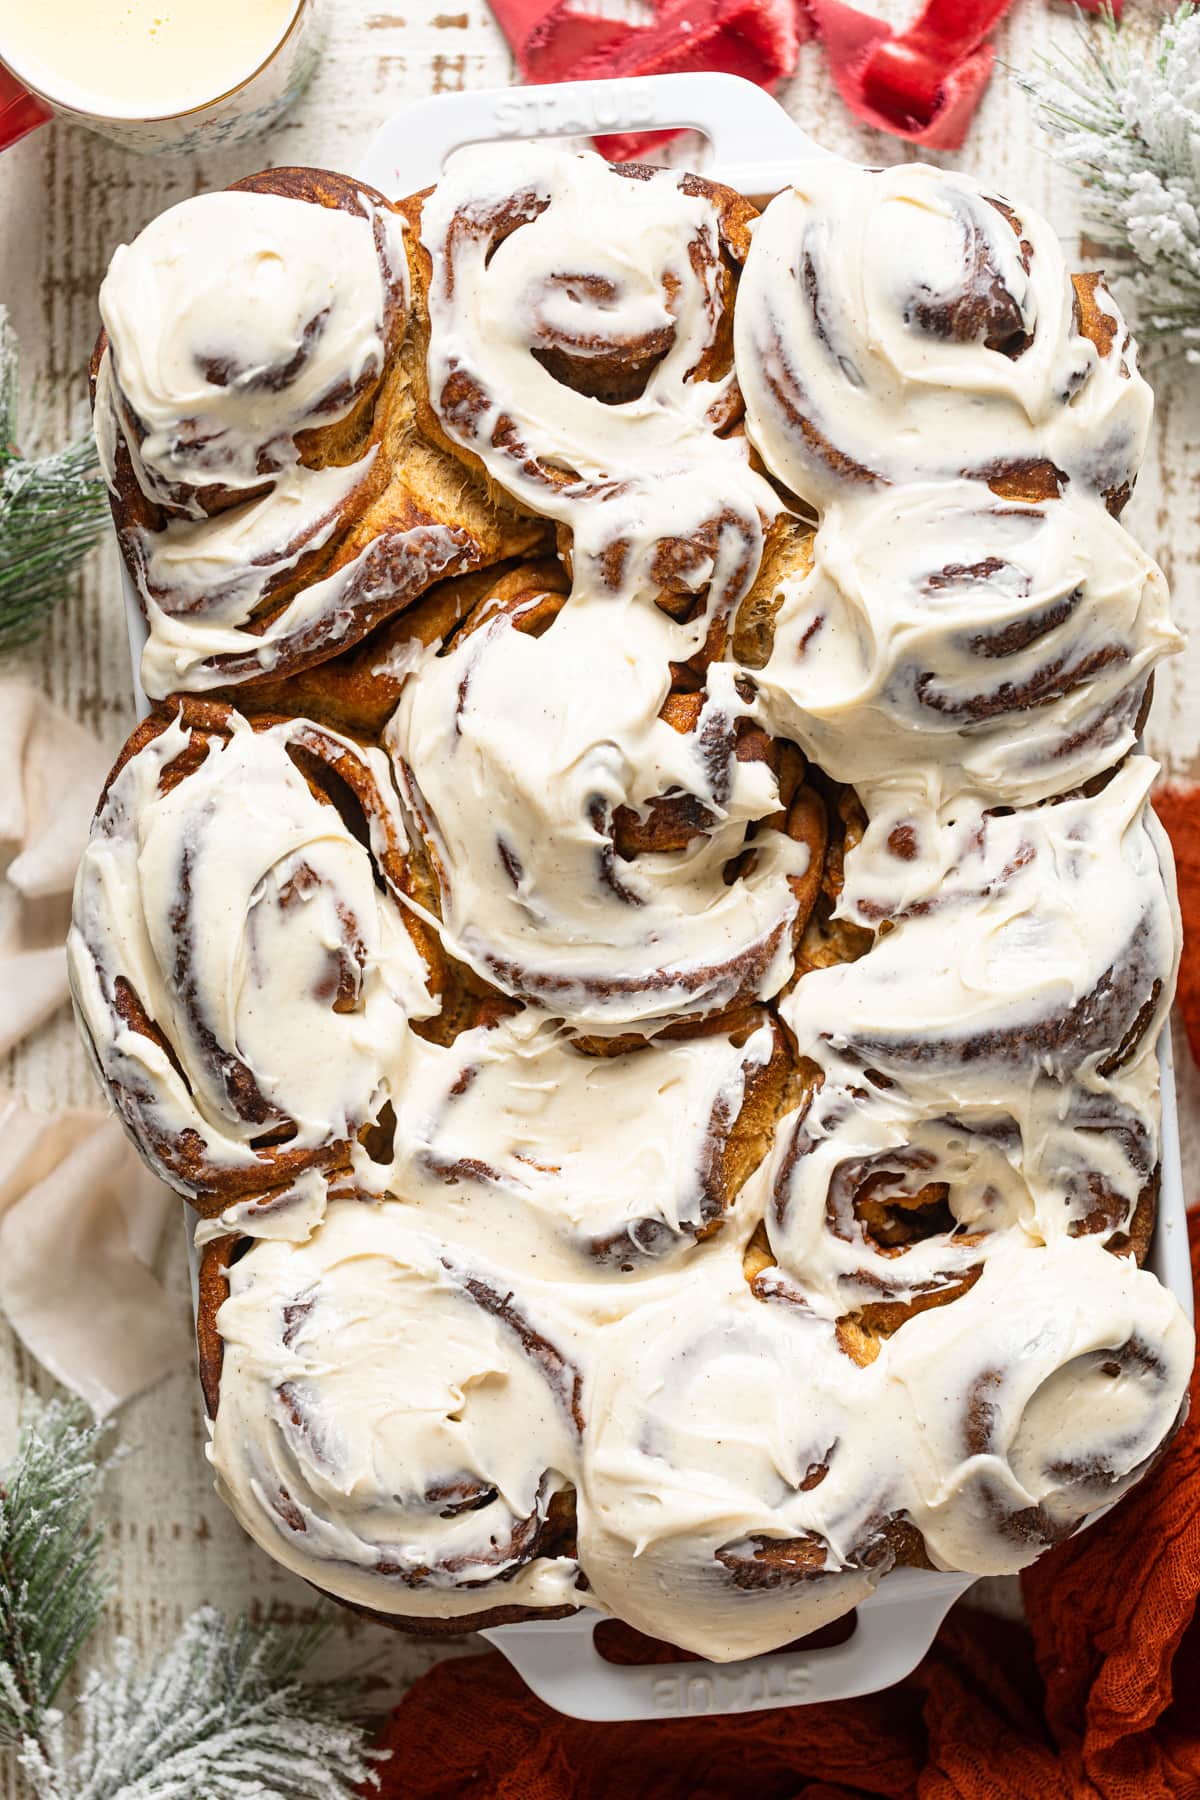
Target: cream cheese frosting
369,1398
1012,640
202,390
235,320
644,484
899,324
516,772
673,1275
498,1148
1000,1038
367,1420
244,915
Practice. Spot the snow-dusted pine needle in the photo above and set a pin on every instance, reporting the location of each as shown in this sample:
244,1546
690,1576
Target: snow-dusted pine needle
224,1715
1123,113
52,510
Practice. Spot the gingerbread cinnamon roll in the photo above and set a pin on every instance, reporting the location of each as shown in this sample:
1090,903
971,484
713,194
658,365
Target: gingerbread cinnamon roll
580,321
663,1036
1040,1396
742,1475
905,325
397,1427
243,970
601,846
989,645
255,423
589,1169
986,1075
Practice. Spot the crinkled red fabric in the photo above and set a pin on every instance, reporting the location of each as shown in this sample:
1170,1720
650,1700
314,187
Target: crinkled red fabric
1098,1699
920,82
554,40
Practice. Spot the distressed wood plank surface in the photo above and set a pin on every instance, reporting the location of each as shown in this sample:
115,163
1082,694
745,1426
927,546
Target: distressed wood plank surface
66,200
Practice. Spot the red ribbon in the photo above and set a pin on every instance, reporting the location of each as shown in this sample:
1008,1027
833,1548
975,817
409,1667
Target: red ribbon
922,83
758,39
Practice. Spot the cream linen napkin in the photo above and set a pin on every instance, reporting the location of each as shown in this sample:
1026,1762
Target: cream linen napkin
80,1218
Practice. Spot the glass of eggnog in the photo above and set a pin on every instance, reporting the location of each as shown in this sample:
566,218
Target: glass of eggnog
177,75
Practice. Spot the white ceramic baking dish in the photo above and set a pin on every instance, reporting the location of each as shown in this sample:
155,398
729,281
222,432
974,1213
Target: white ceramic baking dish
754,147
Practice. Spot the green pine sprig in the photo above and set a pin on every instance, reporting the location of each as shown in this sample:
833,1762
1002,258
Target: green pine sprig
1123,113
52,1586
52,510
224,1715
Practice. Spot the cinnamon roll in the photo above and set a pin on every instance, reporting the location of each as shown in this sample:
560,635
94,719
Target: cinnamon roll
903,324
255,420
515,1143
394,1425
243,970
995,646
987,1073
615,853
742,1475
579,350
1040,1396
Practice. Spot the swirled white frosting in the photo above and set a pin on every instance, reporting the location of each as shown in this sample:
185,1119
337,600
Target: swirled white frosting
368,1402
245,916
1046,1388
1011,642
625,477
899,324
367,1381
497,1147
973,1044
236,321
516,768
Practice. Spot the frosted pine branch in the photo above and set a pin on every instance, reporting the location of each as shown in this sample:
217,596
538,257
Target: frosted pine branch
1124,115
52,1588
52,510
223,1715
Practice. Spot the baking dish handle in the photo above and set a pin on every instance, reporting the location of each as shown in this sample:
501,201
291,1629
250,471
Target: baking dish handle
744,125
559,1661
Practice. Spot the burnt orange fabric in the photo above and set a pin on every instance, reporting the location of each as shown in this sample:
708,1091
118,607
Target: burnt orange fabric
1098,1700
1177,807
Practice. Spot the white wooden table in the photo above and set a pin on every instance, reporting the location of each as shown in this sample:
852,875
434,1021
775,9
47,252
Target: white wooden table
66,200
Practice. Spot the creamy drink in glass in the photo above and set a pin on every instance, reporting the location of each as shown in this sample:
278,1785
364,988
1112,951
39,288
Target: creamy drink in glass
154,74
